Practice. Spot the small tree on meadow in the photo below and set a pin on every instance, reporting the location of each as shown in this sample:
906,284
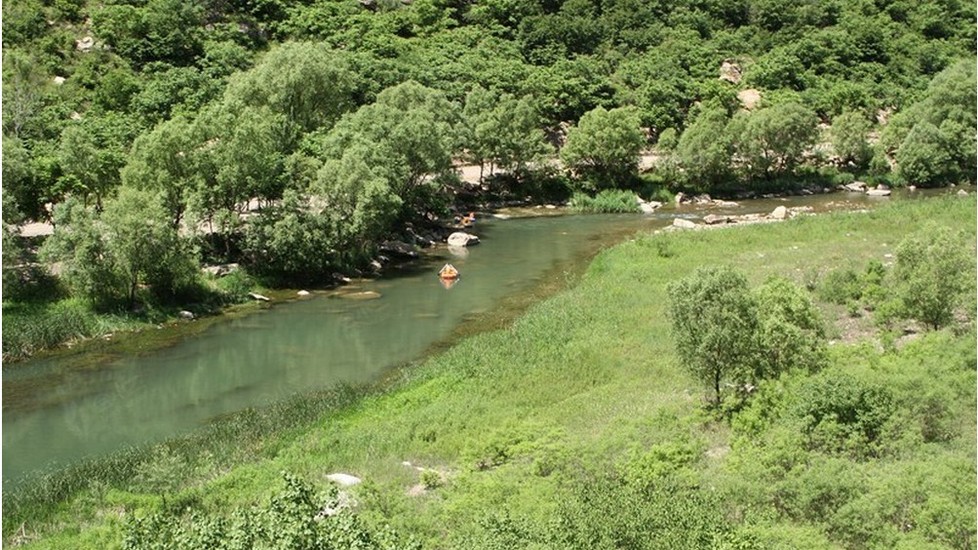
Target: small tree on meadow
934,268
715,323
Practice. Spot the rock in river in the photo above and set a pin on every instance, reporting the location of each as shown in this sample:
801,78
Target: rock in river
460,238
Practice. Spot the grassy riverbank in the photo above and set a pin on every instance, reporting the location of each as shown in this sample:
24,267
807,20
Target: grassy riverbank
577,427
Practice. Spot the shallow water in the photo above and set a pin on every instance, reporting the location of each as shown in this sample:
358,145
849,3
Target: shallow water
63,409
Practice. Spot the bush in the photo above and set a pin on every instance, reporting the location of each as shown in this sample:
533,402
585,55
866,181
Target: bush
608,201
934,268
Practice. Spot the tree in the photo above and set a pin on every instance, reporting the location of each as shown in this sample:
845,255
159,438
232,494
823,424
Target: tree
502,130
934,139
306,82
163,161
145,248
93,150
791,332
408,137
79,243
704,149
933,270
106,260
604,147
849,139
770,142
714,323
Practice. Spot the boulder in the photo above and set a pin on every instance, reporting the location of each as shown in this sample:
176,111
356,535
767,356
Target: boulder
648,207
460,238
730,72
85,44
714,219
702,199
259,297
221,270
878,192
725,204
59,80
962,193
344,480
184,314
779,213
680,198
682,223
398,249
303,293
855,187
749,98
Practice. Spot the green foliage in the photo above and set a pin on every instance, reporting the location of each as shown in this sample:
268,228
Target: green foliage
406,138
290,243
842,414
501,130
604,147
107,260
849,139
934,139
308,83
714,321
29,329
932,274
610,201
704,149
770,142
295,517
791,333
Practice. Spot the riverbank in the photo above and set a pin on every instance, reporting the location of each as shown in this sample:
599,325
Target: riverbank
524,425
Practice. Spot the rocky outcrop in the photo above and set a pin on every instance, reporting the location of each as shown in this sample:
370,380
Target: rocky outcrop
730,72
398,249
460,238
221,270
85,44
749,99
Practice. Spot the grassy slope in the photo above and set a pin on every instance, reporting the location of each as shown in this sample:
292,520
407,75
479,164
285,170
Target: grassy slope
585,380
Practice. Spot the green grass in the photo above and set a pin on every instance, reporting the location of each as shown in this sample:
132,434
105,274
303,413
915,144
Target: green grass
609,201
582,399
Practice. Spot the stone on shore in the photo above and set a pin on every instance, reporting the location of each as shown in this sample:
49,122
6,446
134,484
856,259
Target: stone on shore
780,213
681,223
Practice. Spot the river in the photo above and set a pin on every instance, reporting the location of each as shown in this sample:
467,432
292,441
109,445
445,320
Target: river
62,409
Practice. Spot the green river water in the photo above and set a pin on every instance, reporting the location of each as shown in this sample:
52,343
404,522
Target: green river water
63,409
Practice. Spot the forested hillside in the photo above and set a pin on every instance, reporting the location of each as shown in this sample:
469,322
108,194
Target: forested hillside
151,126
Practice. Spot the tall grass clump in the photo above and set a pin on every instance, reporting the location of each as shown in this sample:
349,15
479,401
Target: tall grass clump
28,328
609,201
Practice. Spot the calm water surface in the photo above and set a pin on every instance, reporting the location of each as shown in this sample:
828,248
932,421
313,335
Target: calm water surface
77,411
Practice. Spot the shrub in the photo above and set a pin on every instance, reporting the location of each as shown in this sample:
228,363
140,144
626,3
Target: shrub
607,201
934,268
840,413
